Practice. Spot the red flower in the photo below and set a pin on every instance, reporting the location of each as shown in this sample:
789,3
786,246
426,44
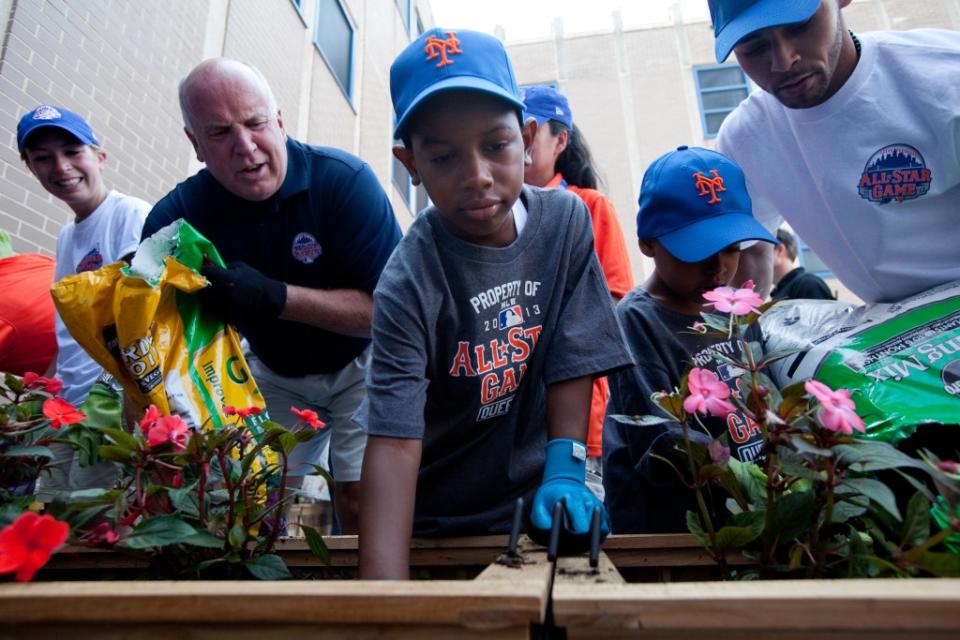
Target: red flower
102,534
150,416
309,417
170,429
243,413
27,544
949,466
53,386
61,412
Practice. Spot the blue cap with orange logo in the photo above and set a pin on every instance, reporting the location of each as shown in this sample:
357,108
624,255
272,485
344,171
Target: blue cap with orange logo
734,20
444,60
695,203
49,116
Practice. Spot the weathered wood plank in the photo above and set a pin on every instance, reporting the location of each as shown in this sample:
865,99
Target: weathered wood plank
767,609
577,571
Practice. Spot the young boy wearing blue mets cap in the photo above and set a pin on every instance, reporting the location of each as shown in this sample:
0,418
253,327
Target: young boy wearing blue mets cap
60,149
490,321
694,214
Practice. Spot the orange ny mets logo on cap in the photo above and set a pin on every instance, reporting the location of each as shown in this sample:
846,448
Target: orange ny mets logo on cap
709,186
437,48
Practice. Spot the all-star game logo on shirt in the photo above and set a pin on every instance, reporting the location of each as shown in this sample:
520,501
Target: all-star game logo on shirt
90,262
895,172
305,248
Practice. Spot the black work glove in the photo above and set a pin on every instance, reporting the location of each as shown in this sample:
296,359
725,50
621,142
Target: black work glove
240,294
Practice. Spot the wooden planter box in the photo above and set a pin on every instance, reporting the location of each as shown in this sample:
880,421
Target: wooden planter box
645,587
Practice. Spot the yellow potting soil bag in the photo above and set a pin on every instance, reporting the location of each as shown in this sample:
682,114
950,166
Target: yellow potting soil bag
144,327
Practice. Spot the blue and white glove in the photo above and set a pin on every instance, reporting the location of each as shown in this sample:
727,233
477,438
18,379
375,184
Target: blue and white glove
563,479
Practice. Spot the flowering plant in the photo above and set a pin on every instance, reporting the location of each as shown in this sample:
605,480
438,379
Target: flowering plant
32,417
191,502
204,502
821,500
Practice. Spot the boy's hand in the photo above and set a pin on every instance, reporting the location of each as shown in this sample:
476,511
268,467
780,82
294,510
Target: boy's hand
240,293
563,479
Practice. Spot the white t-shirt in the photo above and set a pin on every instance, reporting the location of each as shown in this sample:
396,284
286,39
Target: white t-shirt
108,234
870,179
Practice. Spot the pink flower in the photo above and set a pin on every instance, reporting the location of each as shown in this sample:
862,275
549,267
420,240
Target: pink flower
739,302
243,413
309,417
61,412
102,534
699,327
150,416
708,395
53,386
949,466
27,544
719,454
837,410
170,429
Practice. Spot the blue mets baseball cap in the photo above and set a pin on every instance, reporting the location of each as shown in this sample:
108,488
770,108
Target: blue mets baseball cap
733,20
50,116
546,103
695,203
447,59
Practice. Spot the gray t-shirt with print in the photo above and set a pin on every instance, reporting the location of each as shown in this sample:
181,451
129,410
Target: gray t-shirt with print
465,340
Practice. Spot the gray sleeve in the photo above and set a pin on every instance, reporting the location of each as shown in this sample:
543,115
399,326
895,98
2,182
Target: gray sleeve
588,340
396,380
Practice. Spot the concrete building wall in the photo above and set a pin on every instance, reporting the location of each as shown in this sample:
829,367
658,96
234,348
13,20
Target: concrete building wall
118,63
634,96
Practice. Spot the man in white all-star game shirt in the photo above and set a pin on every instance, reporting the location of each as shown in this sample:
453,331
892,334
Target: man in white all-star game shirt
854,139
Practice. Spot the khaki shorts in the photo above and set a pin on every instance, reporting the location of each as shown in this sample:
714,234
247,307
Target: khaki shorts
334,396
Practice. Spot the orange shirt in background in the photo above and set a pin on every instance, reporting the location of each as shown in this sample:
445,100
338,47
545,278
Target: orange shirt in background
27,338
611,250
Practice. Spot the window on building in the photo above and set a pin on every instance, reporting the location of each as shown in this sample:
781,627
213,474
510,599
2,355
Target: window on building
405,7
419,26
720,88
298,6
415,197
333,37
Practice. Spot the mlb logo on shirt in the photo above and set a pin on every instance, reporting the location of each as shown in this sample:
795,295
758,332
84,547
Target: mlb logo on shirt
305,248
90,262
510,317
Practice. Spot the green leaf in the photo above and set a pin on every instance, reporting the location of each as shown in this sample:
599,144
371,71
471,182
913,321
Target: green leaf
268,567
803,445
34,452
184,500
694,527
205,539
115,453
916,526
877,491
121,438
731,538
752,480
793,513
864,455
237,536
943,565
849,506
316,544
159,532
861,559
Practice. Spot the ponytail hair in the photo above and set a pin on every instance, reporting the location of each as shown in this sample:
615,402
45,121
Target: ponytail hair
575,163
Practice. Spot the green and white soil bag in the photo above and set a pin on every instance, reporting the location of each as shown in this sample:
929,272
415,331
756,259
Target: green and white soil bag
901,360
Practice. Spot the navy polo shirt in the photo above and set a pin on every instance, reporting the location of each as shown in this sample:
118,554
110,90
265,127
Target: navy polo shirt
330,226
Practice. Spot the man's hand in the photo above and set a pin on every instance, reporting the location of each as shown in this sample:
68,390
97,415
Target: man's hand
563,479
240,293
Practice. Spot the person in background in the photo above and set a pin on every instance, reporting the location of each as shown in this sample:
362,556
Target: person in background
560,159
28,340
61,151
305,232
791,280
694,214
859,156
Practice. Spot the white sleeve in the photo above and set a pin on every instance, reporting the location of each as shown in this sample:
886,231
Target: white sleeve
763,210
131,213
